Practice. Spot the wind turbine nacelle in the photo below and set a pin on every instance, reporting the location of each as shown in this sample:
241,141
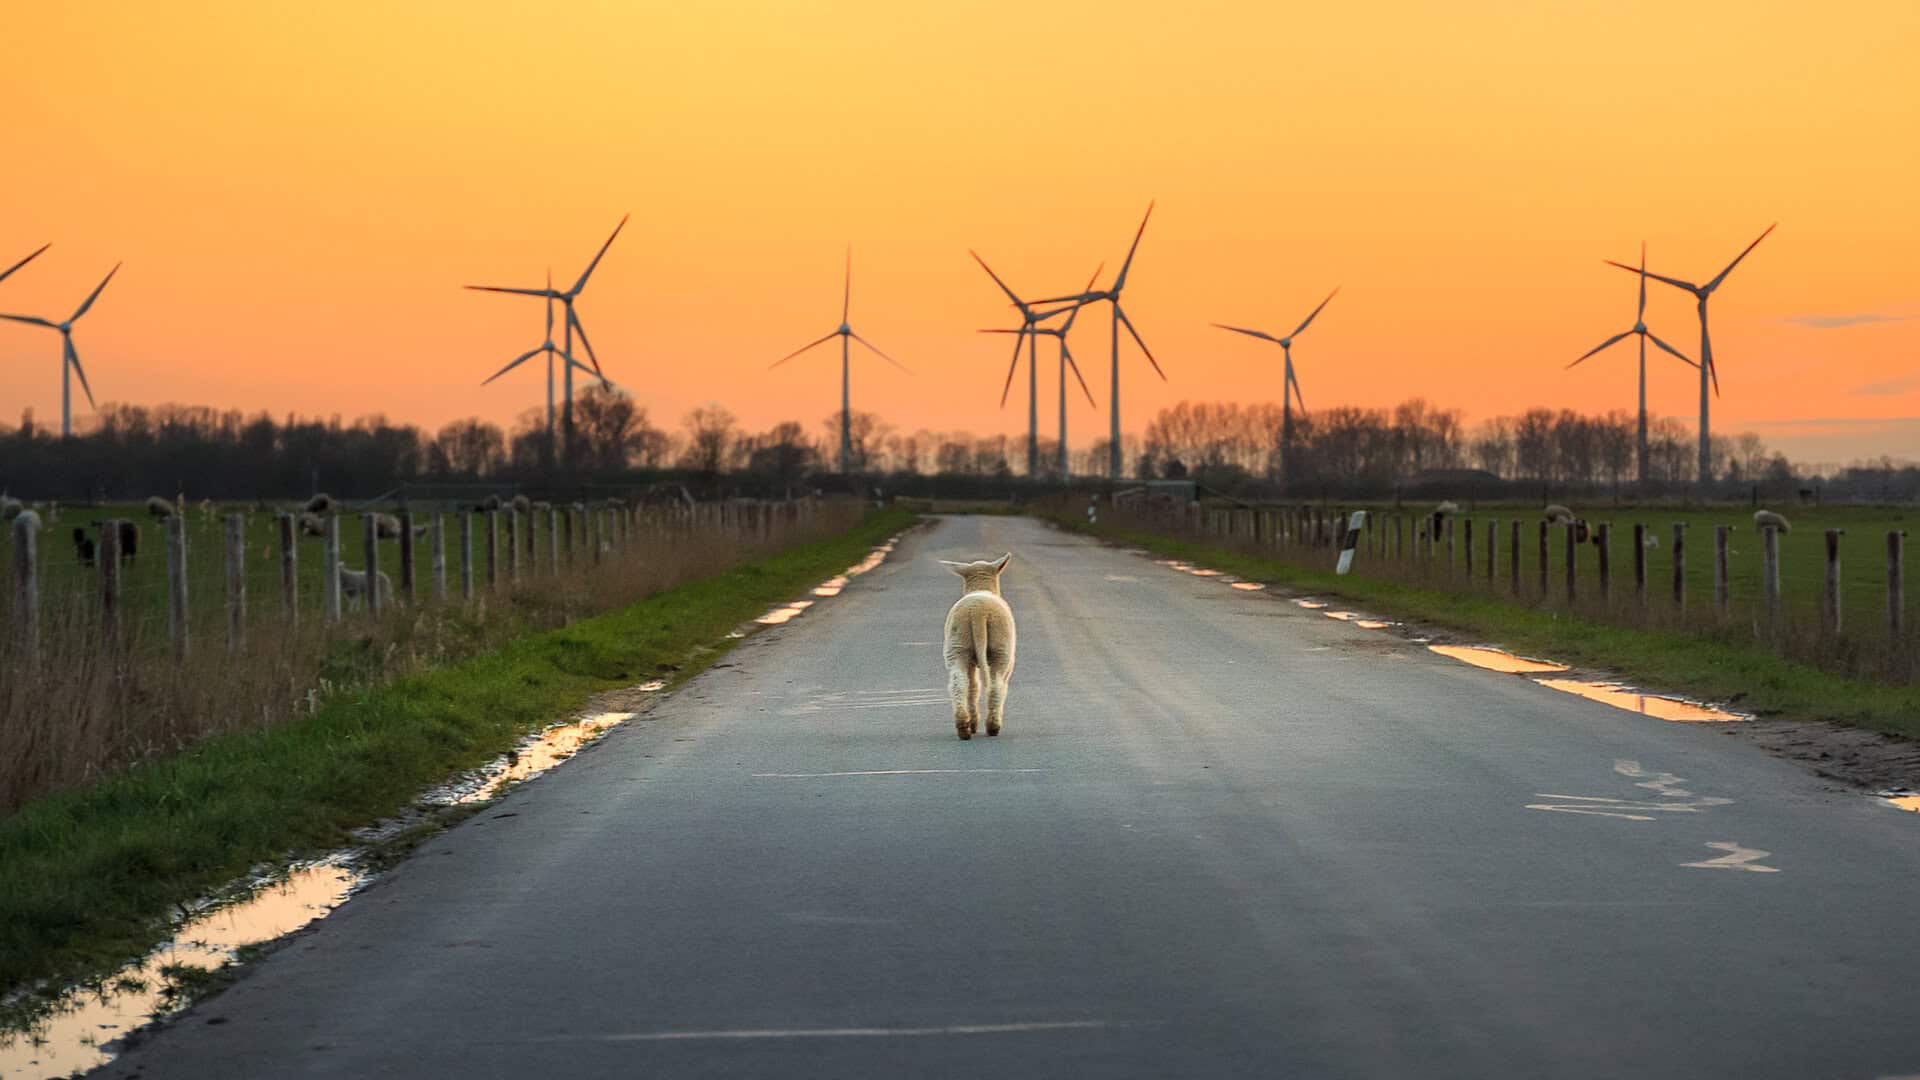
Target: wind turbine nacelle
1638,328
844,329
1286,343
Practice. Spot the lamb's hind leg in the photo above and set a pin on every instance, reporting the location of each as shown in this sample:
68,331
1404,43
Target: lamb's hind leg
960,688
997,684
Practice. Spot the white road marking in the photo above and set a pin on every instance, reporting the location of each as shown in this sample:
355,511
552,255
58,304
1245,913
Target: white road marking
1736,858
858,1033
880,772
1629,809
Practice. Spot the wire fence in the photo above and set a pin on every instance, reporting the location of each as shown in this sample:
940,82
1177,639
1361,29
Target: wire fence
122,637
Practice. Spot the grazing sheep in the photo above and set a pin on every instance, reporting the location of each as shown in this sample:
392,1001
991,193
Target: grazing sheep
129,538
1436,520
385,526
979,646
10,507
1652,541
159,507
353,586
319,504
82,546
1558,515
522,503
1763,518
312,524
491,502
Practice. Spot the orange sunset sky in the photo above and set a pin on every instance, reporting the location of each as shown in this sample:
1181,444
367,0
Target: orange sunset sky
299,191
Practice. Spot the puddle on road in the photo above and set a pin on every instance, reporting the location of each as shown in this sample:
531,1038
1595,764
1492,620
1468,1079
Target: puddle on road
1201,571
74,1039
1903,800
1344,616
1496,659
1311,605
1248,586
784,613
833,586
1626,697
535,755
1373,624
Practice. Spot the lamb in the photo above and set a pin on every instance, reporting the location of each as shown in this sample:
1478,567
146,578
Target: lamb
312,524
1764,518
82,546
979,646
159,507
319,504
353,586
1558,515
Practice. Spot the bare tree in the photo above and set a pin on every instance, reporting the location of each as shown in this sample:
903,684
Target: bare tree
710,431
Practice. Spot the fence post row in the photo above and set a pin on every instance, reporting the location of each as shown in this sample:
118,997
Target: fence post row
330,569
236,583
26,585
176,530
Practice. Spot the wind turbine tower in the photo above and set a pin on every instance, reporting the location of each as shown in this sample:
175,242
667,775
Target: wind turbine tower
69,357
1640,330
1290,386
845,333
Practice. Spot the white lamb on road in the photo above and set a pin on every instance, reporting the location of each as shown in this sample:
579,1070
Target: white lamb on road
979,647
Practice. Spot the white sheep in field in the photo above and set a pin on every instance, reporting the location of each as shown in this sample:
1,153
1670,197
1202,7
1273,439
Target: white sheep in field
353,586
313,524
385,526
159,507
319,504
1556,514
1763,518
522,503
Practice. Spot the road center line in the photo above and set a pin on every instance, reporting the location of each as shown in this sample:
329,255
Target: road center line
880,772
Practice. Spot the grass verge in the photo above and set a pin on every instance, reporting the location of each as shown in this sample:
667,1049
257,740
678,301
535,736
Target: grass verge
89,877
1750,679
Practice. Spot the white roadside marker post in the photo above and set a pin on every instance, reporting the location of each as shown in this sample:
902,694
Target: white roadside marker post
1355,523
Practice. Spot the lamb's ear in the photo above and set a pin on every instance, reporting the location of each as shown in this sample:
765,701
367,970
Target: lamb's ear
957,567
1001,563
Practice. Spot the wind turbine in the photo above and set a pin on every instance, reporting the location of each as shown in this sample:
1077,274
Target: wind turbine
570,326
1290,387
8,272
69,358
845,333
1058,333
1639,329
1708,373
1030,319
1112,296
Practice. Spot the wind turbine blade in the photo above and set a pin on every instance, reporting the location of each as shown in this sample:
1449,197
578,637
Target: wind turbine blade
549,303
1121,281
1641,314
516,292
1068,353
1713,372
803,348
1013,367
1042,316
1599,347
1016,330
846,294
34,319
1293,384
876,351
95,294
1316,311
1722,275
1078,304
4,274
588,272
1671,349
73,357
517,361
1076,298
996,279
1675,282
581,329
1137,341
1249,333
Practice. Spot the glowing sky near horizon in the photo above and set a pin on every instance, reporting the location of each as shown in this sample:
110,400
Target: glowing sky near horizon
299,192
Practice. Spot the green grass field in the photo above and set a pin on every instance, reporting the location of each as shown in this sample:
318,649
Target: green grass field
89,877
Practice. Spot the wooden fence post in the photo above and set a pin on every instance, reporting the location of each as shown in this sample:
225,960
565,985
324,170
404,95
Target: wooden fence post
1640,563
1603,534
176,529
1722,594
1896,574
1513,556
466,555
370,530
593,530
513,545
493,549
1680,565
407,589
107,558
289,530
1543,559
1467,539
1833,581
553,541
1493,547
566,539
1770,568
330,568
26,586
437,558
236,583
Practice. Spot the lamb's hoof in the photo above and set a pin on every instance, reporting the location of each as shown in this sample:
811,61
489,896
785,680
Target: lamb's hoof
992,729
964,733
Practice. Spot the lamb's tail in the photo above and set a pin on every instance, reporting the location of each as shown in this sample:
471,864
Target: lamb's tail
980,640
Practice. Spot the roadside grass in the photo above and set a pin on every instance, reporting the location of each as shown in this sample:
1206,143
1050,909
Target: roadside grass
1747,677
90,878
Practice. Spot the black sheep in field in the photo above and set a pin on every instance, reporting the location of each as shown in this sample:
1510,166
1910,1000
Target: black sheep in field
82,546
129,540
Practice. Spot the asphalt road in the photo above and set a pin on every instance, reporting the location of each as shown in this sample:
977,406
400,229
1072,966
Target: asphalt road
1221,836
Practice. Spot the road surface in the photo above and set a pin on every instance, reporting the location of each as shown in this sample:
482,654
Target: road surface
1221,836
